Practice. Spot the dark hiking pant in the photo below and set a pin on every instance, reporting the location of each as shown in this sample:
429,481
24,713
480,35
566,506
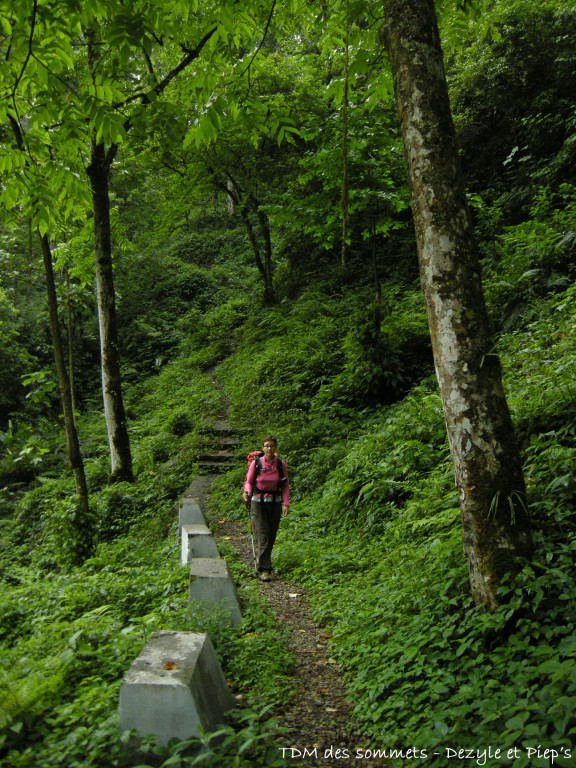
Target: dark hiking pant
265,521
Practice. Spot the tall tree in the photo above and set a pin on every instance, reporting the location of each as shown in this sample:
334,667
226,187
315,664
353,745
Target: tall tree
487,465
70,430
101,159
72,442
134,54
24,158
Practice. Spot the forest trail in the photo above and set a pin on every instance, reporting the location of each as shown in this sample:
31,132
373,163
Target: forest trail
317,719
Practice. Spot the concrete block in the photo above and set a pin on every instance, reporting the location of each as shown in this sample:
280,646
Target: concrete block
212,586
174,686
190,514
197,541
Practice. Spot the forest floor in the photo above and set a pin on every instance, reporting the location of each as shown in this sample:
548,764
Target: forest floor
317,719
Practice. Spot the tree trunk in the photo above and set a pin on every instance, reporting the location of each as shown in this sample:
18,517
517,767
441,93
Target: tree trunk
70,328
377,286
230,198
118,439
268,275
243,205
72,443
486,459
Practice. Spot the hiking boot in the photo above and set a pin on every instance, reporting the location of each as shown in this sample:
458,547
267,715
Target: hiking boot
264,575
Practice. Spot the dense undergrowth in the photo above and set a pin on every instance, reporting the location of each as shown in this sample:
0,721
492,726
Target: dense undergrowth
68,632
374,536
347,384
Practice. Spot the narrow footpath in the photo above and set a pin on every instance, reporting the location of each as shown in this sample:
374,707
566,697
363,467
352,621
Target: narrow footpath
317,718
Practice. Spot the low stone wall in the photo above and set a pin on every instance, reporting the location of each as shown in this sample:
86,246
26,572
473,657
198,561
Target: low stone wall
197,541
212,587
176,685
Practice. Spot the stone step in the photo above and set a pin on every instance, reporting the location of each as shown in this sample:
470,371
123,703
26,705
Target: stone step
221,441
218,457
221,429
214,467
174,688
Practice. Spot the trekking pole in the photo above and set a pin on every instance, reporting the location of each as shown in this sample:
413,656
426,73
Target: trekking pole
249,509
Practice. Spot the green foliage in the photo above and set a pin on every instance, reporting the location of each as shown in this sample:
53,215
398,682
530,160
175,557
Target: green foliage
377,193
156,293
373,532
22,451
529,260
540,359
532,134
372,485
249,742
212,333
14,359
170,410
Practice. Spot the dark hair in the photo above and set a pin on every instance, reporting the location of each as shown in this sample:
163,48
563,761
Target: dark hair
270,439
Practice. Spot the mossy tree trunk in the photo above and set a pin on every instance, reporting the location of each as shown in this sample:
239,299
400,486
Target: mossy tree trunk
495,528
98,171
118,438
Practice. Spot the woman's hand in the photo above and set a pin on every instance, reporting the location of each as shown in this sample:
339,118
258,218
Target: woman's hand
284,511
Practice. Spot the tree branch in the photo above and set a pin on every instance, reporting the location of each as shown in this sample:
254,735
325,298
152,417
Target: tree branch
29,53
144,96
257,51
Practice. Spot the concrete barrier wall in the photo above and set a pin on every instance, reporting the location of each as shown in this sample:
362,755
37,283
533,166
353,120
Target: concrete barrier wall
174,687
176,684
212,586
196,541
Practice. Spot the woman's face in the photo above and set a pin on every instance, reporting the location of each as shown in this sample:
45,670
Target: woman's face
268,449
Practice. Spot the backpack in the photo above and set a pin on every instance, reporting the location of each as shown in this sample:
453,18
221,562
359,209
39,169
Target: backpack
257,457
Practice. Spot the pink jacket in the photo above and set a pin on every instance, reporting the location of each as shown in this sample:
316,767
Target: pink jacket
268,479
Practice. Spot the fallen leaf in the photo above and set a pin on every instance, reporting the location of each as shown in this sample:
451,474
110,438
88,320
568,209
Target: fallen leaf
170,665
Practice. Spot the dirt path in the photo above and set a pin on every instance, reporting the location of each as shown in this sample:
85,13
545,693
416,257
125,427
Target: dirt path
317,718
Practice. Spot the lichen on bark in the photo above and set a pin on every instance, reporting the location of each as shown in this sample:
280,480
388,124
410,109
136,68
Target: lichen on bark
486,460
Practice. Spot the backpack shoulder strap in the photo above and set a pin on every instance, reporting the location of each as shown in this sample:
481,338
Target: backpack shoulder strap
280,468
257,465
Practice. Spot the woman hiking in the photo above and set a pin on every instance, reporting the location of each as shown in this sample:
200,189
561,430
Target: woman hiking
266,487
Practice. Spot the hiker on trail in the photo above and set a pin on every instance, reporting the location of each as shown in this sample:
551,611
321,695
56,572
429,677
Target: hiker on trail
266,487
